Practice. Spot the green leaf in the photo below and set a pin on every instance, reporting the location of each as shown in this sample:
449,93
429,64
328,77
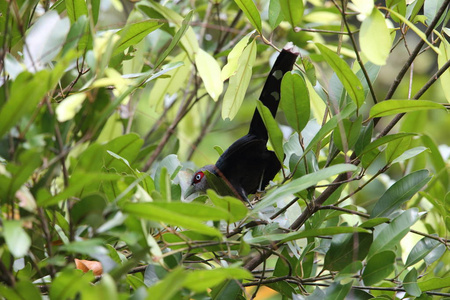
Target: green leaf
16,238
208,69
233,58
410,283
251,12
346,139
329,126
168,214
392,107
69,283
400,192
201,280
275,14
383,140
222,187
379,266
414,28
77,183
133,33
126,147
26,92
424,247
295,101
374,222
189,39
409,154
76,9
235,208
302,183
292,236
396,148
442,59
349,271
434,284
349,80
19,174
391,234
167,288
176,39
375,38
68,108
440,166
346,248
239,82
336,291
275,134
292,11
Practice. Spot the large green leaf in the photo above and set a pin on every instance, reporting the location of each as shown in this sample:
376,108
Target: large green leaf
349,80
375,38
392,107
292,236
239,82
383,140
302,183
391,234
420,33
16,238
26,92
410,283
400,192
133,33
235,207
434,284
424,247
208,69
201,280
292,11
76,9
275,134
378,267
176,39
171,215
251,12
295,100
346,248
77,182
127,147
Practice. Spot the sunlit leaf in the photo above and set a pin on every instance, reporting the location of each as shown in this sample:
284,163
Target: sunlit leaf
208,69
16,238
292,11
133,34
239,82
375,38
349,80
251,12
295,101
392,107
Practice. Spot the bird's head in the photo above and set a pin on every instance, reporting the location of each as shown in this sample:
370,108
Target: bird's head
199,182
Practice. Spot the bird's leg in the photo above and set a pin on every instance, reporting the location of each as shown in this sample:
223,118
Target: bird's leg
261,188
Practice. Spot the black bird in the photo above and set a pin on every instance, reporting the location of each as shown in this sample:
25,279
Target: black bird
247,165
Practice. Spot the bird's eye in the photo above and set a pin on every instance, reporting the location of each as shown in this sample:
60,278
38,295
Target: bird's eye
198,176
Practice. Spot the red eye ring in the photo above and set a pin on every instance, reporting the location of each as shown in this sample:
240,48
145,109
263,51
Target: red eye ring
198,177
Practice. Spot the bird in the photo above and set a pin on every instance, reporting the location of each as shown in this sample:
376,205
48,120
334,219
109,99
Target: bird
247,166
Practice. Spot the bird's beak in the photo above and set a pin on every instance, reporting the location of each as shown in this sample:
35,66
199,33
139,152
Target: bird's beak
190,190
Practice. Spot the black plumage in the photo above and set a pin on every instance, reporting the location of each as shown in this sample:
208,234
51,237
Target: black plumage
247,166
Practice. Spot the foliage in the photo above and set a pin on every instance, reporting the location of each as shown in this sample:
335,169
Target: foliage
105,107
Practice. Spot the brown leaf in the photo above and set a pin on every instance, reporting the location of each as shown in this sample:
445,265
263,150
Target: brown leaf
87,265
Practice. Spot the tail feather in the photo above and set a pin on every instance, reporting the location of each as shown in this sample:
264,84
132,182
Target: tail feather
270,95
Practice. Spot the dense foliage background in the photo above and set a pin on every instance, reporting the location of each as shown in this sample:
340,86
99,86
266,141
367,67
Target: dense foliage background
107,106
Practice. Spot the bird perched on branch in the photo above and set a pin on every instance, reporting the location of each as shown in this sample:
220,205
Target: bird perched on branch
247,166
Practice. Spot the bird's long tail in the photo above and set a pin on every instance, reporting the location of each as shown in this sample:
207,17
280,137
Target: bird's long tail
270,95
